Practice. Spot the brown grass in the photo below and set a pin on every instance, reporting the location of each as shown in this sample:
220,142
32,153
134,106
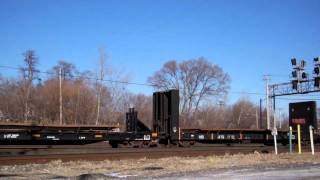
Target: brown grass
155,167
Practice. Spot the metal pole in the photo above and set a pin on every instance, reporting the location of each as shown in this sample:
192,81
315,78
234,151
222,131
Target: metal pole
275,144
311,139
267,104
280,118
60,80
290,139
275,133
267,78
274,112
257,118
299,139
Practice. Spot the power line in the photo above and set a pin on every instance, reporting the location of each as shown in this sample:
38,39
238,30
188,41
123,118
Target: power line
122,82
306,95
84,77
298,99
249,93
278,75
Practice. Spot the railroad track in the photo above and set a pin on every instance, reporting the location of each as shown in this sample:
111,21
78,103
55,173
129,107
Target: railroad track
41,154
15,150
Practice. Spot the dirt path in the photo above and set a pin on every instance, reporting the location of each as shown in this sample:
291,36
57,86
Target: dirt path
292,172
252,166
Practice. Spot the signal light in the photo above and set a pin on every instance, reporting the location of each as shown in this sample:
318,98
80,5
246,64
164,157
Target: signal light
295,84
303,63
304,75
317,82
294,74
316,60
294,61
316,70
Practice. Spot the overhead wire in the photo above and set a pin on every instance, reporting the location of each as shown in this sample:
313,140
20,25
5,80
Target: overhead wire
122,82
85,77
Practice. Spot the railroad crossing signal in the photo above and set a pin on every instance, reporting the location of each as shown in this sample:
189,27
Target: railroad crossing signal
300,82
294,61
274,132
298,74
298,121
316,72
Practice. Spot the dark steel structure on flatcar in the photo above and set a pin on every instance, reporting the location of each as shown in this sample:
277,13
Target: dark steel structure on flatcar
53,134
165,130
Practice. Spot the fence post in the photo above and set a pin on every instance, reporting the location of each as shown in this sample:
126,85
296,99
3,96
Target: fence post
299,139
275,133
290,139
311,139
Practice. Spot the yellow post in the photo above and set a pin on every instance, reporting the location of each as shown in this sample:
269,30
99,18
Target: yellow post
299,139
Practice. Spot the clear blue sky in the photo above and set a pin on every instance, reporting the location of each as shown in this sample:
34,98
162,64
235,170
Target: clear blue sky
247,38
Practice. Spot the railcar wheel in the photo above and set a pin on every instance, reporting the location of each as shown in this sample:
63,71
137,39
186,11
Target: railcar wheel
185,144
114,144
192,143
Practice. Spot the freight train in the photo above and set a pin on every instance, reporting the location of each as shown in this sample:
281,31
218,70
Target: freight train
165,130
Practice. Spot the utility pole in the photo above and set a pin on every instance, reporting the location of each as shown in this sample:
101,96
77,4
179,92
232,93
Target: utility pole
257,118
274,112
280,118
60,81
102,66
266,78
260,114
98,103
275,119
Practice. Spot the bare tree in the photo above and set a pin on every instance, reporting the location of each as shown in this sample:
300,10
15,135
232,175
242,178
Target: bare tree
143,104
79,91
102,62
212,116
10,95
244,114
118,97
197,79
64,73
68,70
29,73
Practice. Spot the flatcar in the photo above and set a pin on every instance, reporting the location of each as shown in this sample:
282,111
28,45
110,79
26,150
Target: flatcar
165,130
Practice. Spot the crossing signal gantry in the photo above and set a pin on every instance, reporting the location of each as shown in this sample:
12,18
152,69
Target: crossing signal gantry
300,81
316,71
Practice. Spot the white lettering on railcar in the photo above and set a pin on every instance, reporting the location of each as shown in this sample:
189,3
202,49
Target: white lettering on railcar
174,129
116,130
231,136
201,136
221,136
146,137
53,138
82,137
11,136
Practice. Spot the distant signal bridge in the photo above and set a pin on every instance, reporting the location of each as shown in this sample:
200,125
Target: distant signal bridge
300,81
285,89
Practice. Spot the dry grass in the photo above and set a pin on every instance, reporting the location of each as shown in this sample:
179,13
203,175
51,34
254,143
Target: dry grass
155,167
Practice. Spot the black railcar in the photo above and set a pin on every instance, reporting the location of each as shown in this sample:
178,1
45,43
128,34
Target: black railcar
165,130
